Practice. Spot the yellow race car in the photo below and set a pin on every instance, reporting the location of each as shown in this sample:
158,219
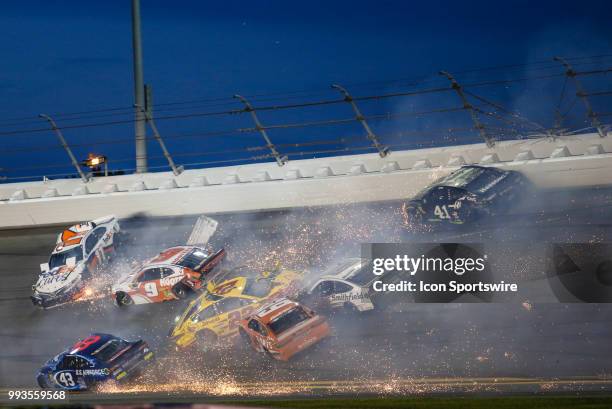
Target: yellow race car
215,315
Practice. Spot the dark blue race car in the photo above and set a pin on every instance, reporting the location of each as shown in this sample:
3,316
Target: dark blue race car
467,194
94,360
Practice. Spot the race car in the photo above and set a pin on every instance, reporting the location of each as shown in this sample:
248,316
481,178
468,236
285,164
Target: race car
170,275
80,252
465,195
97,359
283,328
345,285
214,316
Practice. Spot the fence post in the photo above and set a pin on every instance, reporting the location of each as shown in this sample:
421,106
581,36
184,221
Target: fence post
149,119
382,150
66,147
466,105
580,93
280,160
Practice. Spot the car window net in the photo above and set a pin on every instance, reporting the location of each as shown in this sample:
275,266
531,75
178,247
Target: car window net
288,320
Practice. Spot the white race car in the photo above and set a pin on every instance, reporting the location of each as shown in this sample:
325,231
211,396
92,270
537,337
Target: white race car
344,285
80,250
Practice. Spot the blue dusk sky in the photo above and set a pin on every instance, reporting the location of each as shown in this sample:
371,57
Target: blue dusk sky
61,57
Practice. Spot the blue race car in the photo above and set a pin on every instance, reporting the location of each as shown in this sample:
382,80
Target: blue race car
94,360
465,195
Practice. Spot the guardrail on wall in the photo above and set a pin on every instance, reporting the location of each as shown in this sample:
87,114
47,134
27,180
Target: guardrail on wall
576,161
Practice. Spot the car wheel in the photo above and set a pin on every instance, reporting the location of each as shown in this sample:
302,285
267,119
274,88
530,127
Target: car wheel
123,299
42,381
412,220
120,237
244,337
350,308
244,345
466,214
180,291
269,354
100,386
207,340
86,274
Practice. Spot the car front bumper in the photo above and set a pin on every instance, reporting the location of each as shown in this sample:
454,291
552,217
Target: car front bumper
54,300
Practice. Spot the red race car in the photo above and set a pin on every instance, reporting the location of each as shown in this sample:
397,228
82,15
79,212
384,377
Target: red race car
171,275
283,328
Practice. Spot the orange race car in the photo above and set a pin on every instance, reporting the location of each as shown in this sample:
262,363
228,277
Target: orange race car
170,275
283,328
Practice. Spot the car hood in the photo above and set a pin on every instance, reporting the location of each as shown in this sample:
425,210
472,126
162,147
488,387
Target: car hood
284,280
51,364
183,322
180,327
58,278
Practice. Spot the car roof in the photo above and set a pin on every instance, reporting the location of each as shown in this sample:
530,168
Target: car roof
61,247
466,187
169,256
76,230
348,269
72,236
273,310
236,286
345,271
91,348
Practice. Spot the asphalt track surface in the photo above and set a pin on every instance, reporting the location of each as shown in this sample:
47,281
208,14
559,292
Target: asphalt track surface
402,348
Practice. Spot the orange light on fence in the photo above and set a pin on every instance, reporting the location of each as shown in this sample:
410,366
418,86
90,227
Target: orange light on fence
93,160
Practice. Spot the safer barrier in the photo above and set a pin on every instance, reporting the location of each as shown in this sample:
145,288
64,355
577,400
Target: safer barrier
576,161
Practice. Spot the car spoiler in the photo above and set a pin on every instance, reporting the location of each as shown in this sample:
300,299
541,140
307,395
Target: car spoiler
211,261
202,231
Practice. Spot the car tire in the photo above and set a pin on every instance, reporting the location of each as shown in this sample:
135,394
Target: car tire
207,340
269,354
123,300
180,291
86,274
350,309
120,237
41,380
244,338
244,345
464,215
416,221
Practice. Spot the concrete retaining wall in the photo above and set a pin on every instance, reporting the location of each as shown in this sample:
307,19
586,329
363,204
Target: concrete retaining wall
578,161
